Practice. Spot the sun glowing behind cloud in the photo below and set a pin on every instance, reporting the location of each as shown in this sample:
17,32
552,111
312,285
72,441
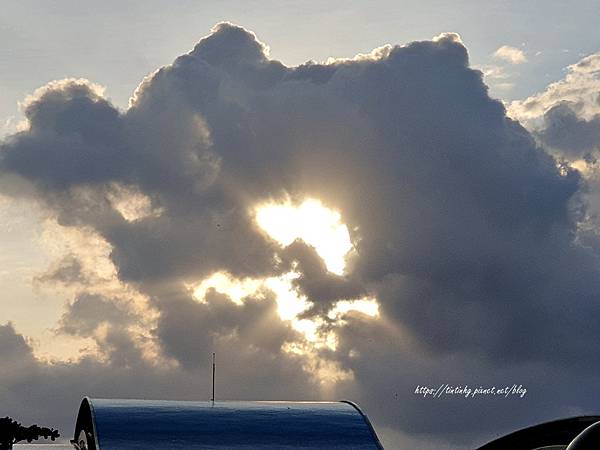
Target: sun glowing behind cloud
367,306
289,302
317,332
321,228
224,283
311,222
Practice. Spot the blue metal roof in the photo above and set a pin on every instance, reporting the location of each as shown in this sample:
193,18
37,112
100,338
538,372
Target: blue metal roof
158,424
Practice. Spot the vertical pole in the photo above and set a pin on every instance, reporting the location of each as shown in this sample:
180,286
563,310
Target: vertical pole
213,380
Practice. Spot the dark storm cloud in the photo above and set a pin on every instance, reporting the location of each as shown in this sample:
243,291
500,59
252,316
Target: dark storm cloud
465,229
74,137
390,392
189,244
566,131
323,288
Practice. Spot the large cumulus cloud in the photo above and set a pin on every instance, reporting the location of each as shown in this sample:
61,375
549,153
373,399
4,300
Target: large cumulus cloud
465,230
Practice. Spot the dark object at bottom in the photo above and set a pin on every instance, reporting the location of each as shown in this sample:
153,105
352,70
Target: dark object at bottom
588,439
554,435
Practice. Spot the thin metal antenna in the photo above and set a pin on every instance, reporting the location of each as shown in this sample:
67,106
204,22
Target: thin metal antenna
213,381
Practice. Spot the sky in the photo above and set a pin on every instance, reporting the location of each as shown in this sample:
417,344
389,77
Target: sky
341,199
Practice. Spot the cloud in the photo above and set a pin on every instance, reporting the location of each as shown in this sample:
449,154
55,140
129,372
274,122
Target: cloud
510,54
497,77
322,287
89,311
580,87
565,117
67,270
463,229
573,136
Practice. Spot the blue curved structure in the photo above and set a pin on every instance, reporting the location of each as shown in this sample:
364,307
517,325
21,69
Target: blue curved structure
104,424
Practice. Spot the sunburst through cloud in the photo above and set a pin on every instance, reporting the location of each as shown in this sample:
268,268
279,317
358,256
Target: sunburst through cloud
319,227
350,228
313,223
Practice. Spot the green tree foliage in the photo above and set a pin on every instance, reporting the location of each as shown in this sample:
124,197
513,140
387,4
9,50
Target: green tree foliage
12,432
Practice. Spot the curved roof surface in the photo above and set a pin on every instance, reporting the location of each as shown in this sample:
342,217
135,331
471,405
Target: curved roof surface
157,424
